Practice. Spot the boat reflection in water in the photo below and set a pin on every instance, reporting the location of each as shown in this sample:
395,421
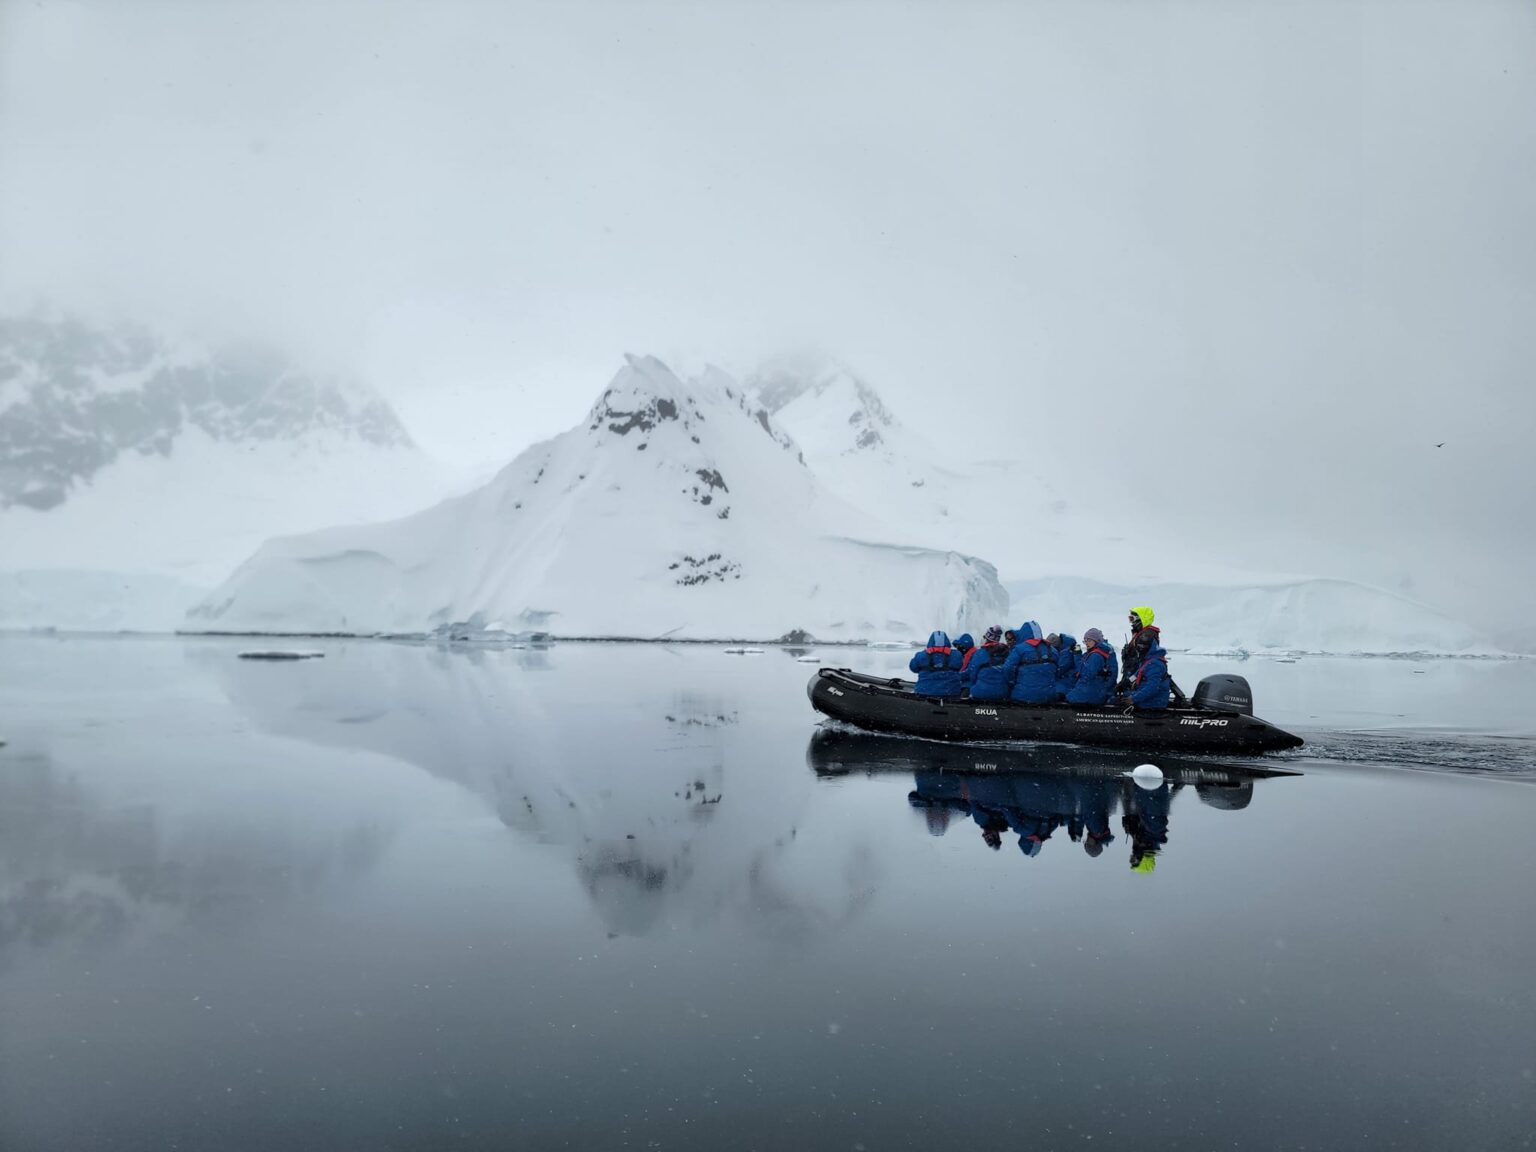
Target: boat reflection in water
1041,792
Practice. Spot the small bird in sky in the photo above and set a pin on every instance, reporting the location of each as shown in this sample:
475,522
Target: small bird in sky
1441,444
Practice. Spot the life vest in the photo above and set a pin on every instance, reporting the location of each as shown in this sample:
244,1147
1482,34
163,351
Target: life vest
932,652
1142,670
966,659
1037,645
1106,654
1136,647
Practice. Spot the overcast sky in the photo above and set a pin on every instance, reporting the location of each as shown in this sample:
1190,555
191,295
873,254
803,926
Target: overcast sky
1262,256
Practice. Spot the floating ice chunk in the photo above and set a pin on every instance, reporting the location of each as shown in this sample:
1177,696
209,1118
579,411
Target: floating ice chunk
745,651
281,654
1148,776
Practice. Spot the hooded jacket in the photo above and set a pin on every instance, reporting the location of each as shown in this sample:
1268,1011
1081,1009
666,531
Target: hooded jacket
1096,676
1066,664
1137,648
1151,685
966,646
937,667
1031,667
986,674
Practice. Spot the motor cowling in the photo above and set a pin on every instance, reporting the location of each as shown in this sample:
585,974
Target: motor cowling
1224,693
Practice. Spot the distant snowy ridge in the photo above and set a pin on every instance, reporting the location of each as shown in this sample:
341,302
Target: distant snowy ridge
133,470
983,492
674,511
800,396
93,601
1334,617
73,399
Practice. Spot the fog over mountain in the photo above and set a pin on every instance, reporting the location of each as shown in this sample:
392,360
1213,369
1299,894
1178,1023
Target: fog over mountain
1250,279
74,400
137,471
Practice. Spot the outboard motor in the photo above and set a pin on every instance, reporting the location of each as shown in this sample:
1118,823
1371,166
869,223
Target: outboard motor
1224,693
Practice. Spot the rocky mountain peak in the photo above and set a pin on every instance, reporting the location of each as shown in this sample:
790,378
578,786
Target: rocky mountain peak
821,402
74,399
646,397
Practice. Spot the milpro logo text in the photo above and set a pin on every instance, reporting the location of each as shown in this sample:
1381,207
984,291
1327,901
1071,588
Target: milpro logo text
1202,722
834,691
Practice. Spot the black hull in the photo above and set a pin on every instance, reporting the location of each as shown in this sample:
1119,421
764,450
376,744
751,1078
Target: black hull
841,752
888,705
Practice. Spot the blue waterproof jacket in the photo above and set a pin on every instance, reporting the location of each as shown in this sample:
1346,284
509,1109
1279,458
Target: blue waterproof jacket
1139,647
939,796
1034,829
1146,819
1097,673
985,675
1066,665
966,646
937,668
1150,688
1031,667
1095,798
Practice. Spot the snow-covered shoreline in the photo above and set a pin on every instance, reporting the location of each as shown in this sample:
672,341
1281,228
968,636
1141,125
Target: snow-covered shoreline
427,638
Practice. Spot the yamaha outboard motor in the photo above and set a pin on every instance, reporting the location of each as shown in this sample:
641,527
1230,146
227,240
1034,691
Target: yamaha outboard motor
1224,693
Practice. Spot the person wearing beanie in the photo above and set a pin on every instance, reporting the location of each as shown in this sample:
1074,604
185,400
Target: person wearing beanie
1096,671
984,674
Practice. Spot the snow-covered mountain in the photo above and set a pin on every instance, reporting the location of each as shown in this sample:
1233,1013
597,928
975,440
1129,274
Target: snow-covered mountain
831,412
164,466
675,510
1069,564
859,450
1320,616
985,491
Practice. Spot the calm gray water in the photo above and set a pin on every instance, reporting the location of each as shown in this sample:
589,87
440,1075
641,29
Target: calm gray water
621,896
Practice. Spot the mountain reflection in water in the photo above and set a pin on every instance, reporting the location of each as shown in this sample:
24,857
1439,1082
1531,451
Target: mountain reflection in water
645,785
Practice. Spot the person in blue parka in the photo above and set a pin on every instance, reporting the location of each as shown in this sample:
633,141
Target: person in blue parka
984,674
1090,823
1151,686
1145,822
966,646
1031,667
989,797
939,795
937,667
1066,663
1096,671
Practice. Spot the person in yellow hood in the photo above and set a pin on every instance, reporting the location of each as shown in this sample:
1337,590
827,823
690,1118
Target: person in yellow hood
1145,636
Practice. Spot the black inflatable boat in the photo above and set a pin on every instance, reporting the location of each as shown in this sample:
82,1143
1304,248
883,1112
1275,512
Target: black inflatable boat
1218,717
